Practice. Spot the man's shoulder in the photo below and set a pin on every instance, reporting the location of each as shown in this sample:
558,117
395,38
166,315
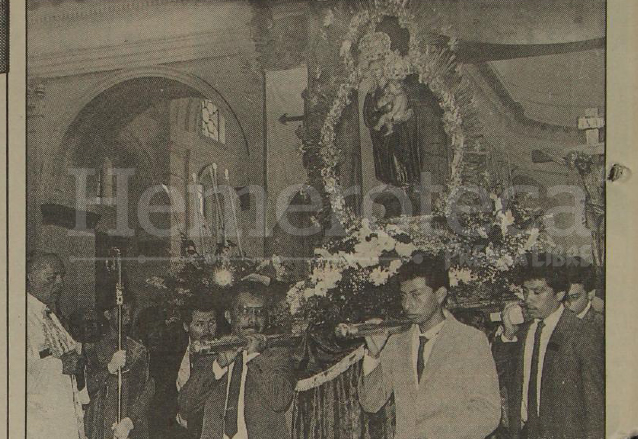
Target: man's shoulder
594,316
569,322
274,356
464,331
400,340
579,332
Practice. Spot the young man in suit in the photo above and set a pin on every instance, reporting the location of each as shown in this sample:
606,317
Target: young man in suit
251,388
553,365
441,371
581,293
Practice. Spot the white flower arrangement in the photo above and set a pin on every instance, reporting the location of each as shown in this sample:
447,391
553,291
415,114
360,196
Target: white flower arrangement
294,297
531,241
372,253
458,275
379,276
368,262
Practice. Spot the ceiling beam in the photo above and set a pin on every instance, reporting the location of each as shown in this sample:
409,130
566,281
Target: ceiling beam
472,52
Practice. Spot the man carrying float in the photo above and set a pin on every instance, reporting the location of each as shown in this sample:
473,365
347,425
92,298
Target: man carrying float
251,385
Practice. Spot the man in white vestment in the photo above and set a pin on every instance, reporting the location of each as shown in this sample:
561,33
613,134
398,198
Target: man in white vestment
54,406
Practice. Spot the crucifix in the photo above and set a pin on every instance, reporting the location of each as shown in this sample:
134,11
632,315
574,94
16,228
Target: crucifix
590,165
589,161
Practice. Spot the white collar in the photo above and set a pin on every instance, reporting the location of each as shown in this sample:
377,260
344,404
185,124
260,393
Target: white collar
248,357
584,312
433,331
35,304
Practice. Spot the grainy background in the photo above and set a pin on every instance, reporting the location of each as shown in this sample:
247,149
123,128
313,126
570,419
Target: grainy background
4,36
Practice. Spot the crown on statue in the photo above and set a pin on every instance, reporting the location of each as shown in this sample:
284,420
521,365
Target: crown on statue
374,46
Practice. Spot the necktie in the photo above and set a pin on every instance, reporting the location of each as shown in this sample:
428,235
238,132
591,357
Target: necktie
532,396
420,364
230,417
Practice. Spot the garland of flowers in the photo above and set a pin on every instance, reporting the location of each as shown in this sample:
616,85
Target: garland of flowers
436,67
350,277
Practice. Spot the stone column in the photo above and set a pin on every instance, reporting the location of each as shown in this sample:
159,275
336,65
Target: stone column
36,156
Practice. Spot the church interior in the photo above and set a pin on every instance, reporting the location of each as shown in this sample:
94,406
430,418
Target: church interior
136,102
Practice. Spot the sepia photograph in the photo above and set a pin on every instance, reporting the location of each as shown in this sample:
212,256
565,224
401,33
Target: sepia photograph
322,219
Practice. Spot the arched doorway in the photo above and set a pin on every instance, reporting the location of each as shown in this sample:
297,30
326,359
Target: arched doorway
133,137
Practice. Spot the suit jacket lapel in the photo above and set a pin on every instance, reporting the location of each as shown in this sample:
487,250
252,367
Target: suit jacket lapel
517,379
404,377
521,356
563,327
250,398
406,361
254,402
440,342
557,339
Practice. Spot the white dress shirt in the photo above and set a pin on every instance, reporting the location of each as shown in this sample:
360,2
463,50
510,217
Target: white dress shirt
184,369
550,324
53,404
182,376
242,430
370,363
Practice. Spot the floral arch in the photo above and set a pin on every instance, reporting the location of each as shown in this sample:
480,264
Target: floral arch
436,68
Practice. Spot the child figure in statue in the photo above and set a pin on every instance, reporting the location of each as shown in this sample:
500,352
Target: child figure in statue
394,104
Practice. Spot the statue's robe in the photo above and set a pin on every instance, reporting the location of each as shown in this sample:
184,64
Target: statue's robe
417,145
396,155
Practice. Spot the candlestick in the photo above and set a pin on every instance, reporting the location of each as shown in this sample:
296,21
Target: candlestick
221,229
232,206
200,211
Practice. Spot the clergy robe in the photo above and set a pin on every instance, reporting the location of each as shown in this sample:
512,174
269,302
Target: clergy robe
53,404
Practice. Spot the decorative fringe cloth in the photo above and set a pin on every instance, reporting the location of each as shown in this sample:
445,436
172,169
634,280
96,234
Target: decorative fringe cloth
326,405
331,373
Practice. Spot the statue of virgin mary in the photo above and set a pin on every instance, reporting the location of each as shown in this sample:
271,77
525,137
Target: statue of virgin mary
397,158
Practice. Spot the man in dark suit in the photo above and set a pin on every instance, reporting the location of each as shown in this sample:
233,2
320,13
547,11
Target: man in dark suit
250,388
200,323
440,371
553,364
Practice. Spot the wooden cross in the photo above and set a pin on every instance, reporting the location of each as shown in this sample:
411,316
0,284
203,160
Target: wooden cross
591,123
593,181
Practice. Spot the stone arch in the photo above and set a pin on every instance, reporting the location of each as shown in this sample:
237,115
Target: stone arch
55,168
